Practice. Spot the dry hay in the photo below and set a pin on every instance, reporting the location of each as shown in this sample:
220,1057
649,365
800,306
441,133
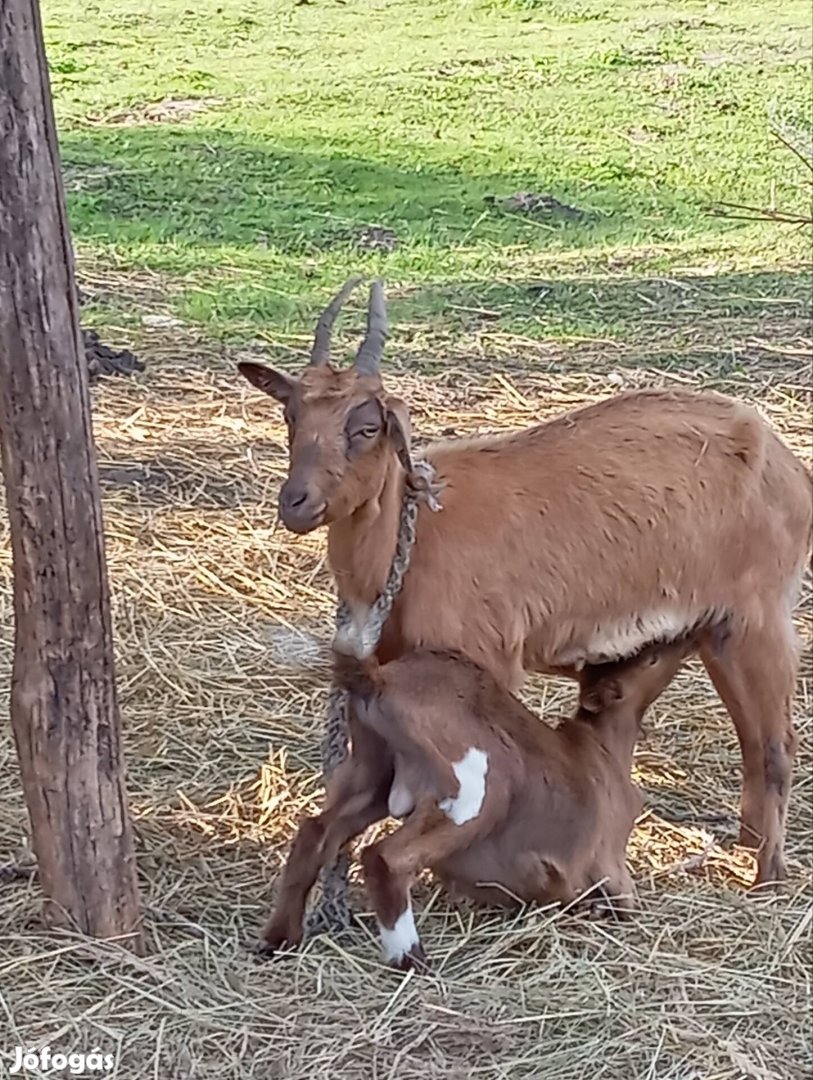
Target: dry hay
166,111
221,620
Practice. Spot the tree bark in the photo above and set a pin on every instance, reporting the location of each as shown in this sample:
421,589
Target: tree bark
64,709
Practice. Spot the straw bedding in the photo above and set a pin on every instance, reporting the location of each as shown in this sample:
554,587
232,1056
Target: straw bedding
221,621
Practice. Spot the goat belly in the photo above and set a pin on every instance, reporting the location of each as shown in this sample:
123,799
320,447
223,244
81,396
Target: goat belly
493,873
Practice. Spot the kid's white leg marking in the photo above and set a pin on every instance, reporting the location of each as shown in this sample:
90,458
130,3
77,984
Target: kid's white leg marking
471,775
403,937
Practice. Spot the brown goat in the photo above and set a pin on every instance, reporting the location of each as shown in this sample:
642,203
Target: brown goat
501,807
572,542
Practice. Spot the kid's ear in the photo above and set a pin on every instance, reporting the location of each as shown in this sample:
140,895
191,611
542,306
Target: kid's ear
601,696
275,383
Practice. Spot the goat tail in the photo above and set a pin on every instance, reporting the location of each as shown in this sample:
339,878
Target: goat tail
356,676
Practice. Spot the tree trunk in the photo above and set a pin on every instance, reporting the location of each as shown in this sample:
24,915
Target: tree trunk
64,709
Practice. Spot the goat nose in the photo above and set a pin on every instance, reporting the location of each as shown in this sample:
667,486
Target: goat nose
291,498
301,508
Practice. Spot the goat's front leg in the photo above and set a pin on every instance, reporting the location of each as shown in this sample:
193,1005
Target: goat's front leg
354,801
427,837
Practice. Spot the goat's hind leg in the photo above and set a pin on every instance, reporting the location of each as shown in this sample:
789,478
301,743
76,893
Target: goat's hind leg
427,837
754,671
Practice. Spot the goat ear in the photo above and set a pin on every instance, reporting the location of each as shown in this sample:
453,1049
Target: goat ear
399,430
602,696
275,383
590,700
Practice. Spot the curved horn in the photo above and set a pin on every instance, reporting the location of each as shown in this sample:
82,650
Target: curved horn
368,358
320,353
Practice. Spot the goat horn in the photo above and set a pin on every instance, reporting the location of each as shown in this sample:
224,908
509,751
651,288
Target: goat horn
320,353
368,358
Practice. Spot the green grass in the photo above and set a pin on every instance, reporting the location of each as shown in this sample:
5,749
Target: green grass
403,113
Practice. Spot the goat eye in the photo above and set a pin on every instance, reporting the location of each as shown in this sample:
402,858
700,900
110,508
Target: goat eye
364,422
368,432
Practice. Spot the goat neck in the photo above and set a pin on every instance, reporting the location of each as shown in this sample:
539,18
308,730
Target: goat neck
617,728
361,546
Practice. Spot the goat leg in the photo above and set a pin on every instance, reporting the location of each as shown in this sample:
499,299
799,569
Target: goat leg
754,671
354,802
427,837
304,862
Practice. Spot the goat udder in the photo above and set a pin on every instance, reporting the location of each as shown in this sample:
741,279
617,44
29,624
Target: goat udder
401,801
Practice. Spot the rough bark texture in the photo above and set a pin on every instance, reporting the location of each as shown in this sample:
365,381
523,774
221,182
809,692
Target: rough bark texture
63,701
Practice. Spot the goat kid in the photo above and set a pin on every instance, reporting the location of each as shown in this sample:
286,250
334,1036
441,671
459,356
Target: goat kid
575,541
503,808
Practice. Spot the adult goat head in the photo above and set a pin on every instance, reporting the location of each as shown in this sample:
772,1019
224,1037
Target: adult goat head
342,426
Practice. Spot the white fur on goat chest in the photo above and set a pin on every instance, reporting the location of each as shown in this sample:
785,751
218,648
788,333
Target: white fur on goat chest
356,635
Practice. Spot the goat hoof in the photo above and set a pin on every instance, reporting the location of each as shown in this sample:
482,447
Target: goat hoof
415,960
601,911
771,873
276,937
749,838
614,908
260,950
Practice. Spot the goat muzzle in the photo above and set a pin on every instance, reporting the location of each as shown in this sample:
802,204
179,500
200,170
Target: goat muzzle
300,509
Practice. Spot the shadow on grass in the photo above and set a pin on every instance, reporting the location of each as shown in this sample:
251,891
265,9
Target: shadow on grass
201,186
252,237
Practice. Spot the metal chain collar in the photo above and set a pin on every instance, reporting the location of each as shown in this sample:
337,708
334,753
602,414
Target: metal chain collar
361,639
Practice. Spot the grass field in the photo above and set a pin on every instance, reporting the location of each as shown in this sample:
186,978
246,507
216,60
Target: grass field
227,165
229,156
